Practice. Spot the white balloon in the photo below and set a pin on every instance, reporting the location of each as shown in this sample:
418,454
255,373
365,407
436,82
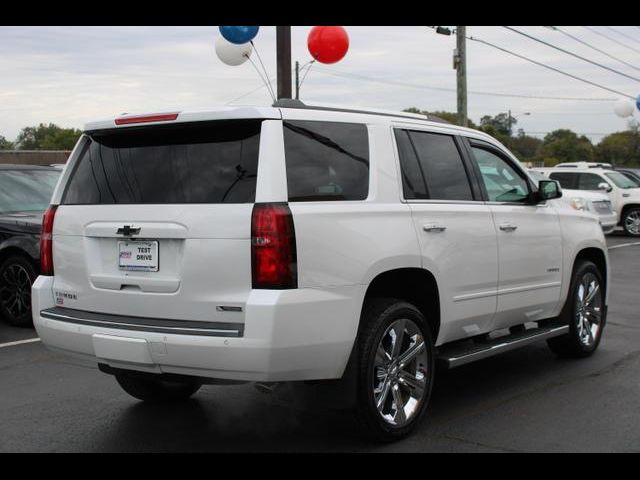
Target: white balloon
624,108
232,54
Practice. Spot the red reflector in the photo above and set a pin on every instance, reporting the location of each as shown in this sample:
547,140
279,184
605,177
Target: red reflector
273,247
160,117
46,241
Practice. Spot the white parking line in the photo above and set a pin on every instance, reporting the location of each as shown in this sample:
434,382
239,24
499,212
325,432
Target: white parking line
21,342
634,244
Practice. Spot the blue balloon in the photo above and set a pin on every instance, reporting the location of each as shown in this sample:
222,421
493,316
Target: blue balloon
638,102
239,35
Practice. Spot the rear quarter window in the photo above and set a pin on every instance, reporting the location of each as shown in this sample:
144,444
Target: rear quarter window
204,162
326,161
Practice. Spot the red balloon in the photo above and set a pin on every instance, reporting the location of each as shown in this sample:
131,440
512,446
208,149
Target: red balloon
328,44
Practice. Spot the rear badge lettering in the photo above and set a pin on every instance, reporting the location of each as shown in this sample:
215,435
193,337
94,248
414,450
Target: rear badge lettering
62,296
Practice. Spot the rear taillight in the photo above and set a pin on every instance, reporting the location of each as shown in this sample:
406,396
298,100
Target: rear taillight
273,247
46,241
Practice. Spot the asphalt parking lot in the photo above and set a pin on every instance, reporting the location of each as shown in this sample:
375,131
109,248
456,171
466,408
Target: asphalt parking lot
525,400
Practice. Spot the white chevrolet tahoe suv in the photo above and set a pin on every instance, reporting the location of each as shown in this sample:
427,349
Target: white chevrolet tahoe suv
300,243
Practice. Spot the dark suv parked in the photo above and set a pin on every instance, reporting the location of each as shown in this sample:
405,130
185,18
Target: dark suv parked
25,191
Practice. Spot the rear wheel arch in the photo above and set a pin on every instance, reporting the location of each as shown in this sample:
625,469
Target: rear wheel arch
17,251
416,286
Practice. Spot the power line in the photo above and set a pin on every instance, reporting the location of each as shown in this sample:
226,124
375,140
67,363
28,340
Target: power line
571,53
623,34
558,29
549,67
444,89
593,30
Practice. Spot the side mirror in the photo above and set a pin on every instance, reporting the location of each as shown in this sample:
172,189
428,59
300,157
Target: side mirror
548,190
605,186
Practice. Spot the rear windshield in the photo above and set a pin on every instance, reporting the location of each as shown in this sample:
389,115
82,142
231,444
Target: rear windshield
205,162
326,161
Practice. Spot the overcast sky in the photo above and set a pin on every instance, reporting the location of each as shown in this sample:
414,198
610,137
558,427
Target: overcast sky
70,75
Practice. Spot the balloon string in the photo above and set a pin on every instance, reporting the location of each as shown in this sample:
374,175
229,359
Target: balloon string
311,63
263,79
266,74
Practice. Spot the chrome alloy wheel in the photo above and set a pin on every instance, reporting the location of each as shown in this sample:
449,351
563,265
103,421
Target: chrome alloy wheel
400,373
15,290
632,223
588,310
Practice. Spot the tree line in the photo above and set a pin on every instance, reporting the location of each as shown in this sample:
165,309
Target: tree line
562,145
43,137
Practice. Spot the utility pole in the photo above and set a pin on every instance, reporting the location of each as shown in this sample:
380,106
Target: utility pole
297,80
460,64
283,48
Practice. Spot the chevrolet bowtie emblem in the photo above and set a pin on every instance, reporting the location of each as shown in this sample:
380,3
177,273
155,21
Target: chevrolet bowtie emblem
128,231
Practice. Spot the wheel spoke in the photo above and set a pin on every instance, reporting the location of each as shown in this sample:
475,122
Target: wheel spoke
400,417
412,352
415,385
398,338
382,357
383,393
593,289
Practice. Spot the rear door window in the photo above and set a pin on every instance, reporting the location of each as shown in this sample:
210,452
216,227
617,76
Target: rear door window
326,161
432,167
204,162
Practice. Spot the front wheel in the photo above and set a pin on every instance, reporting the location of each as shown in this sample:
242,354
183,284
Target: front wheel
395,368
584,312
148,388
631,222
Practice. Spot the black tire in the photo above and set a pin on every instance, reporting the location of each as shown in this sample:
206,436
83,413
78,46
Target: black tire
150,389
630,222
17,274
570,345
377,317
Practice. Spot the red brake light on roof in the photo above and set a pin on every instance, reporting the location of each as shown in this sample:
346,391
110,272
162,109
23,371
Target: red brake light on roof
156,117
46,241
273,247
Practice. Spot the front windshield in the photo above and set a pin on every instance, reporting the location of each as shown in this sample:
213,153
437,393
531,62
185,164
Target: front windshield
26,190
622,181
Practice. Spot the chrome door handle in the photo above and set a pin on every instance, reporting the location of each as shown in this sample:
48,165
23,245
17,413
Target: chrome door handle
432,227
507,227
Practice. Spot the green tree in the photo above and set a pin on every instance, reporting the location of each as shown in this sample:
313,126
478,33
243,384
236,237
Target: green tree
526,148
563,145
5,144
47,137
499,123
621,148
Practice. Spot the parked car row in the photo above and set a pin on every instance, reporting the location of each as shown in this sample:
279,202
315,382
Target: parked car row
25,193
622,190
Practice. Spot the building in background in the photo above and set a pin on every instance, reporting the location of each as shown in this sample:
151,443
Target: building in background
34,157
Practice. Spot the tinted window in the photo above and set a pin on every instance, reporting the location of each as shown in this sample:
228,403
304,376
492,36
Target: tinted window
566,180
326,161
502,182
208,162
413,182
26,190
622,181
441,166
589,181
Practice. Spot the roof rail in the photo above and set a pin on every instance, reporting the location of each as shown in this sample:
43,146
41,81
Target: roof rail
292,103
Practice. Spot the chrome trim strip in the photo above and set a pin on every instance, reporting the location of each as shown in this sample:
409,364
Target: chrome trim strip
505,346
176,327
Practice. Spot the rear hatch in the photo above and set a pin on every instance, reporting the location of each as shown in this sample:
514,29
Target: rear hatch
155,221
